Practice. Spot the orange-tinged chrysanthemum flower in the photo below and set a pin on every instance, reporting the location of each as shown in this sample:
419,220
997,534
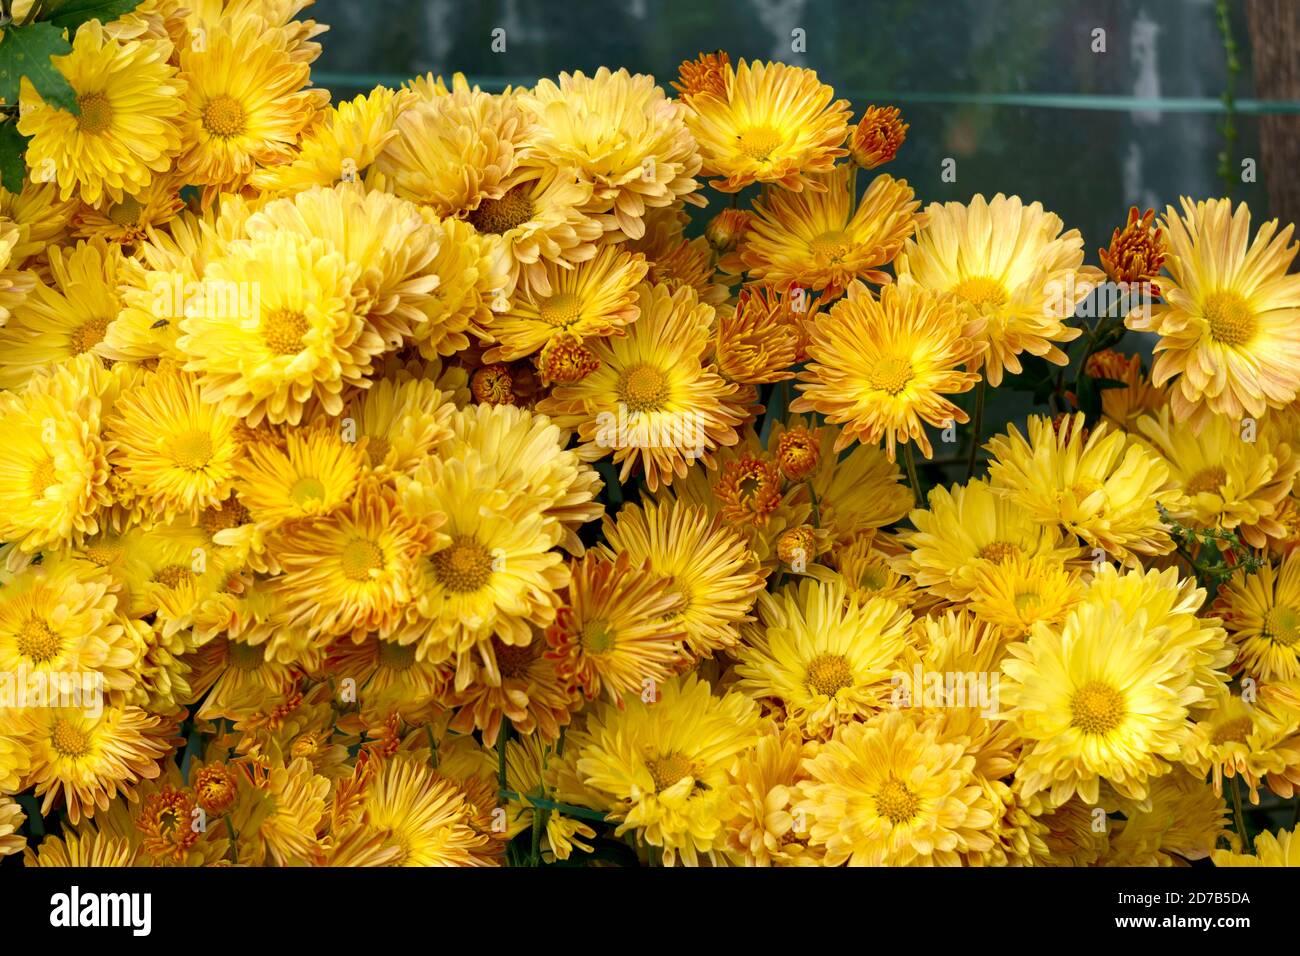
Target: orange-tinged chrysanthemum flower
877,137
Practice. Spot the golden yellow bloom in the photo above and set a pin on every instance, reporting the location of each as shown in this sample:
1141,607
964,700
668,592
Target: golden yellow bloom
623,136
707,564
279,814
618,626
402,420
11,819
823,656
245,104
1138,397
129,221
660,768
66,318
707,73
1262,614
1270,850
1233,738
1100,698
473,272
760,338
514,683
275,327
765,830
1104,488
593,299
881,367
888,792
1010,264
774,123
653,401
313,473
1017,591
1228,323
1136,252
1230,484
128,130
821,241
174,452
89,849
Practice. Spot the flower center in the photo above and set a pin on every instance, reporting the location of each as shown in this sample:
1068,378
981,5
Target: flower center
1230,318
597,638
69,741
997,551
1234,731
890,375
96,113
981,291
895,802
231,514
464,566
1281,625
1027,601
125,213
644,388
1097,708
360,557
86,336
759,142
668,769
172,575
103,553
377,448
513,660
829,674
396,657
192,450
37,642
246,657
283,330
560,310
224,117
498,216
215,789
830,245
1207,480
307,491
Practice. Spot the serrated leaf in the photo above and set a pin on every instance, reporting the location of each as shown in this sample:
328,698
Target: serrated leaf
13,157
73,13
26,51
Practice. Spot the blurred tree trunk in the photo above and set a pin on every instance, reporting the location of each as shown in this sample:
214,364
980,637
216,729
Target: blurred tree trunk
1275,49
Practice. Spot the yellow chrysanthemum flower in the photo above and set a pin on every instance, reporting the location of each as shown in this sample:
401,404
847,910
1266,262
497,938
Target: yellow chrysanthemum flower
616,628
11,819
1103,697
88,760
708,566
314,472
531,463
391,247
967,527
825,658
765,830
246,102
54,475
1230,484
275,326
340,146
15,284
473,276
527,774
174,452
128,128
1182,819
821,241
661,768
496,574
775,123
129,221
1102,485
89,849
889,793
881,367
1010,264
1233,738
622,135
1262,614
279,813
653,401
1227,325
1017,591
67,318
402,420
593,299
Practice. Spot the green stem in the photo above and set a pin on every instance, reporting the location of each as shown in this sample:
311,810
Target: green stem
909,459
568,809
1240,817
502,736
977,427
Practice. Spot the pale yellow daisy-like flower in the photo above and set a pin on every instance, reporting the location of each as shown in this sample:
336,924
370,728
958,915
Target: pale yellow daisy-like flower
1262,614
1010,264
1227,324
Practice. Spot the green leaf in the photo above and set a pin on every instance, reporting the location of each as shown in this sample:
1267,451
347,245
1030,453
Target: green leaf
26,51
73,13
13,156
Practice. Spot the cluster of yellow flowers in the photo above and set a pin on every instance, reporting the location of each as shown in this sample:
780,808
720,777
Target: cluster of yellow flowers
398,482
